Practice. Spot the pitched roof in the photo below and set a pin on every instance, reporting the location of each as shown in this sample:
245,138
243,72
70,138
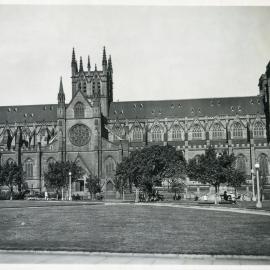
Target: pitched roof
210,107
28,113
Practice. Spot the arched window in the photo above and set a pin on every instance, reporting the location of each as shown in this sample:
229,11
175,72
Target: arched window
264,169
156,134
79,110
84,87
197,132
241,163
10,161
137,134
109,166
197,159
5,137
51,160
237,130
217,132
117,133
28,167
258,131
79,86
176,133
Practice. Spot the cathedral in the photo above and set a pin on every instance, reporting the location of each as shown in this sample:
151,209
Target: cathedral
97,132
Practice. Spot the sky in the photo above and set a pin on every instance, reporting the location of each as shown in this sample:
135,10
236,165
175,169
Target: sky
158,52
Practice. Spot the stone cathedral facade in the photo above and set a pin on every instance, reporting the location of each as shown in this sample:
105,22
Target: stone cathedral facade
97,132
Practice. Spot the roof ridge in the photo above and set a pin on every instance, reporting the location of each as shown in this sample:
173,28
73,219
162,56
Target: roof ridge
30,105
209,98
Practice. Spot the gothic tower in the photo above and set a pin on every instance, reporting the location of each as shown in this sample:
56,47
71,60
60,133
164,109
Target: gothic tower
93,83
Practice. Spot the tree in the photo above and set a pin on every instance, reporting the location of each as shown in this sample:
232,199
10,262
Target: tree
93,185
124,174
148,167
235,178
57,175
12,175
215,169
177,186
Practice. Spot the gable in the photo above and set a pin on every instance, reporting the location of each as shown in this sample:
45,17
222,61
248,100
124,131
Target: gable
79,97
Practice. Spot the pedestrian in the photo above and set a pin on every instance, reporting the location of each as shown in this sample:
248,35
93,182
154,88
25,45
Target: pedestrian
225,196
46,195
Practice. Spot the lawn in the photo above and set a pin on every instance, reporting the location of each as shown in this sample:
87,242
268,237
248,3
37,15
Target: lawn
134,228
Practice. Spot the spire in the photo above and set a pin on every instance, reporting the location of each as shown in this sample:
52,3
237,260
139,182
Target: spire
73,55
74,67
104,59
88,64
81,64
61,94
95,67
110,63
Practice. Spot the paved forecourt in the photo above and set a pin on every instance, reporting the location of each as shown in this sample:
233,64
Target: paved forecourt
28,257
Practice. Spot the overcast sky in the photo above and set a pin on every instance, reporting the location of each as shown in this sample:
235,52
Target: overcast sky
157,52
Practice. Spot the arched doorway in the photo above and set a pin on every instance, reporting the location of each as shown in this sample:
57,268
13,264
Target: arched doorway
109,190
109,186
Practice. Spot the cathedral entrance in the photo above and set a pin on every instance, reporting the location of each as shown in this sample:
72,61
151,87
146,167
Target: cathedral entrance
79,186
109,190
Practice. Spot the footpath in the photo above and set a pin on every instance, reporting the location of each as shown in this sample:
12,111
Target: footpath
57,257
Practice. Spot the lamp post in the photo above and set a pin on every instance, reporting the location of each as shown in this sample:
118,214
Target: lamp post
69,186
253,186
259,203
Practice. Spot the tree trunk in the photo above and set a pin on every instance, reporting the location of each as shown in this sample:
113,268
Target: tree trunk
136,195
11,193
20,188
216,192
130,186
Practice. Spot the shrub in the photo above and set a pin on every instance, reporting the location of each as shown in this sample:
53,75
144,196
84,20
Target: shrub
99,197
4,195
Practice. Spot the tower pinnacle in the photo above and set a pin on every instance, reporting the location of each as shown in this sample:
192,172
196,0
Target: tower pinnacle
61,94
88,64
74,67
73,55
110,63
104,59
81,65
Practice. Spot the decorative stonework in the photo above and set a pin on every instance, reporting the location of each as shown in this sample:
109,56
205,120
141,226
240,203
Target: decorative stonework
79,134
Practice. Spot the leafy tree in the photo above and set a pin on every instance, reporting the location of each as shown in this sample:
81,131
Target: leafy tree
57,174
177,186
215,169
124,174
148,167
12,175
93,185
235,178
